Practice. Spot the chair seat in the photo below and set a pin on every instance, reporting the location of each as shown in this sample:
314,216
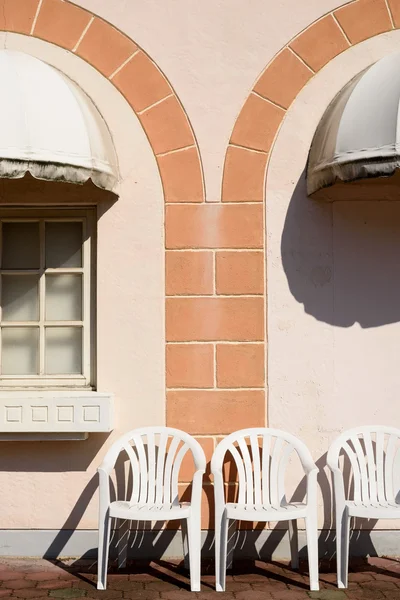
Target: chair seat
376,510
121,509
258,512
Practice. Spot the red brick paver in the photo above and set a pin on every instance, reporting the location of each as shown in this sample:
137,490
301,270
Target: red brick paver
368,580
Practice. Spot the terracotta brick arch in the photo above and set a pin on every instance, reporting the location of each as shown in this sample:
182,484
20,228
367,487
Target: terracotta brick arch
256,127
132,72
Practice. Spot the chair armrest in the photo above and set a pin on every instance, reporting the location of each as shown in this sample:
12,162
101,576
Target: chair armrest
106,466
197,487
104,488
338,485
308,464
311,477
219,492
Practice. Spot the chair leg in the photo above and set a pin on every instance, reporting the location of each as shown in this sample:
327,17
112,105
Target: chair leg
230,546
123,543
104,544
221,541
185,544
294,544
312,549
342,547
194,543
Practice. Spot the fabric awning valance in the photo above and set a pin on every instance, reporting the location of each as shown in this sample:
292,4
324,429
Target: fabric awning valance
359,135
49,127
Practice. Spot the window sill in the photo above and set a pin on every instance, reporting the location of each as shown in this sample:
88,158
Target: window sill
54,412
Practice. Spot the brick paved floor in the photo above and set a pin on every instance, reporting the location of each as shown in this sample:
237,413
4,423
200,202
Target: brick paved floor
376,578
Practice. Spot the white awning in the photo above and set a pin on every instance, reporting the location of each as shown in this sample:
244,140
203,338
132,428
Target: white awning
49,127
359,134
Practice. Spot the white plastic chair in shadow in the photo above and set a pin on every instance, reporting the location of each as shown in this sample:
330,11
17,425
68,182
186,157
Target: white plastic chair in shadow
155,455
261,457
371,454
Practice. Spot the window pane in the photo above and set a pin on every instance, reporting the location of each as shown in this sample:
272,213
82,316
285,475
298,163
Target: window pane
21,246
63,350
20,298
20,350
63,297
63,245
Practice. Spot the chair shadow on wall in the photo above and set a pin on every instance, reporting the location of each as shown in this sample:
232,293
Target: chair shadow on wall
248,537
147,542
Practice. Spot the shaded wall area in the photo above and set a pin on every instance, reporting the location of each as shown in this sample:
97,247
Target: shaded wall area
342,264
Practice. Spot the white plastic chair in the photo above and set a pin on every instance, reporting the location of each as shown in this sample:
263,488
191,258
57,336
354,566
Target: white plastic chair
261,456
155,455
371,453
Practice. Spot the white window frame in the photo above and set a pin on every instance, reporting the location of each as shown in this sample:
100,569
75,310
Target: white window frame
84,381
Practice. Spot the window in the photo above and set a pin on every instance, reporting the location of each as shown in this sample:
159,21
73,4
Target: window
45,290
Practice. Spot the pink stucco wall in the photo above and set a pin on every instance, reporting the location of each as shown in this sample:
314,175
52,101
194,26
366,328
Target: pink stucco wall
331,357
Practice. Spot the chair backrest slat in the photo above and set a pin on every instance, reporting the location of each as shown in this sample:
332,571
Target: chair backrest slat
248,467
275,460
135,467
363,468
282,470
371,469
390,453
143,471
241,474
255,452
380,461
162,449
266,470
356,472
151,457
175,473
168,470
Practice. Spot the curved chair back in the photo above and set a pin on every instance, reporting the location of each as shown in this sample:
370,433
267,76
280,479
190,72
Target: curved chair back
371,453
155,455
261,456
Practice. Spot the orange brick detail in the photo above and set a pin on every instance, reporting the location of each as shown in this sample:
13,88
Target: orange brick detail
239,272
190,366
283,79
141,82
187,468
182,176
18,15
213,319
321,42
189,273
244,175
364,19
257,124
394,6
214,226
167,126
240,365
61,23
105,47
215,411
